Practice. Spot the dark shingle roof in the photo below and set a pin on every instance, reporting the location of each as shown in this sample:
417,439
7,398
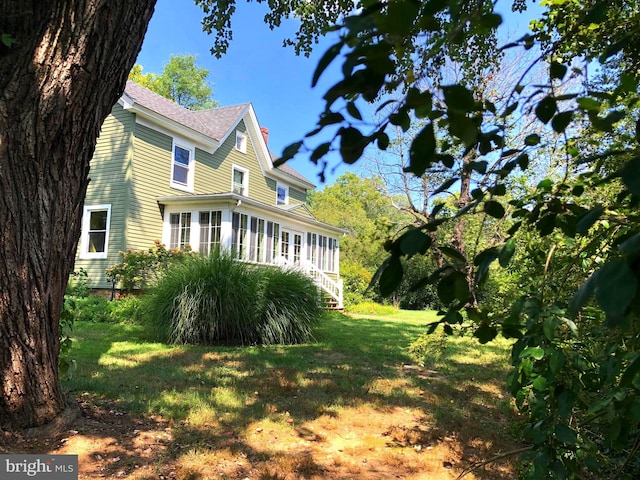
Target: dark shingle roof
214,123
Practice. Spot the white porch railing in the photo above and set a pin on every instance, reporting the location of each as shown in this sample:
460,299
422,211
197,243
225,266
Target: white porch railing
331,287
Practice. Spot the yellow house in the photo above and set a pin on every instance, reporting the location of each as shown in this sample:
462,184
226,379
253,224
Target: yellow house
205,179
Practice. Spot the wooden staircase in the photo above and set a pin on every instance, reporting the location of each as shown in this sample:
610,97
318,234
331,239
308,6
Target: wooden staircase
332,291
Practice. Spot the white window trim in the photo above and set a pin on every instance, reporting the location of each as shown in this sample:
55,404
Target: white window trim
286,193
245,180
191,169
86,218
243,144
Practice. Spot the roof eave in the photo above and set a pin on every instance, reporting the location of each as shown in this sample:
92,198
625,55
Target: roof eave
235,198
206,142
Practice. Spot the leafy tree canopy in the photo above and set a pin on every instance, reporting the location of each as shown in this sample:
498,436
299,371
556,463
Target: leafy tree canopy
575,317
181,80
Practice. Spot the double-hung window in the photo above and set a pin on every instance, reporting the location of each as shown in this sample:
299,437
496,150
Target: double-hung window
282,195
95,231
240,181
182,167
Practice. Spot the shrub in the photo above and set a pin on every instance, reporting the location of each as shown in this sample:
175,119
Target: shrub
217,299
93,308
428,349
373,308
78,284
139,269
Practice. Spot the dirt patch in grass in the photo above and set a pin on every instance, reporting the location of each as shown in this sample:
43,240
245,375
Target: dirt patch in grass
362,442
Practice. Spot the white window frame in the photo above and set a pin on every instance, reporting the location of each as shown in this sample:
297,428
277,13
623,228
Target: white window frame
188,187
245,180
286,194
86,224
241,141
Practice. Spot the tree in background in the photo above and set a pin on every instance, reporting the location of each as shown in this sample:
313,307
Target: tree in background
356,204
576,318
181,81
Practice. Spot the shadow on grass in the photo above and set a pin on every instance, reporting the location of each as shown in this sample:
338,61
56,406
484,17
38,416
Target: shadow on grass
214,396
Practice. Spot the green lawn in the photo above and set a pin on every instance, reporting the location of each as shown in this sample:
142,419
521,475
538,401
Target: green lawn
355,365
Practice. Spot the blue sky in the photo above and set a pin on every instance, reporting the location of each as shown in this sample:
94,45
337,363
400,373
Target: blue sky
256,69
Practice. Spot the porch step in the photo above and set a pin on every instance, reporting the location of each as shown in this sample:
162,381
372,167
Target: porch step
330,303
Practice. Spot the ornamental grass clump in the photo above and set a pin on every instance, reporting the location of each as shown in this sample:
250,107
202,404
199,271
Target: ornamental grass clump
289,306
216,299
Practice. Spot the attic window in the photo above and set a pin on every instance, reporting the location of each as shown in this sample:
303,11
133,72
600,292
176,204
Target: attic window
282,195
241,142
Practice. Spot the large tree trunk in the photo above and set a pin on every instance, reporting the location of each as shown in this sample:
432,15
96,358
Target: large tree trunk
58,82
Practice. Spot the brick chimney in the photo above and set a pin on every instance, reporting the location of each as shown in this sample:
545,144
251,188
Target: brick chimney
265,134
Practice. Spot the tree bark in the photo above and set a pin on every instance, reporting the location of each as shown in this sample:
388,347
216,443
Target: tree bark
58,83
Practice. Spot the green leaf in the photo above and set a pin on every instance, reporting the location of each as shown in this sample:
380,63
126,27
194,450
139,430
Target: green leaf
288,153
353,111
631,246
589,104
533,139
352,144
320,151
391,275
549,327
546,224
510,109
459,98
561,121
581,297
453,317
556,361
631,175
445,186
615,287
523,161
536,353
464,128
485,333
325,61
453,253
514,228
483,261
546,109
506,252
414,241
422,152
566,401
453,287
401,119
494,209
557,70
330,118
588,219
383,140
631,371
539,384
566,435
